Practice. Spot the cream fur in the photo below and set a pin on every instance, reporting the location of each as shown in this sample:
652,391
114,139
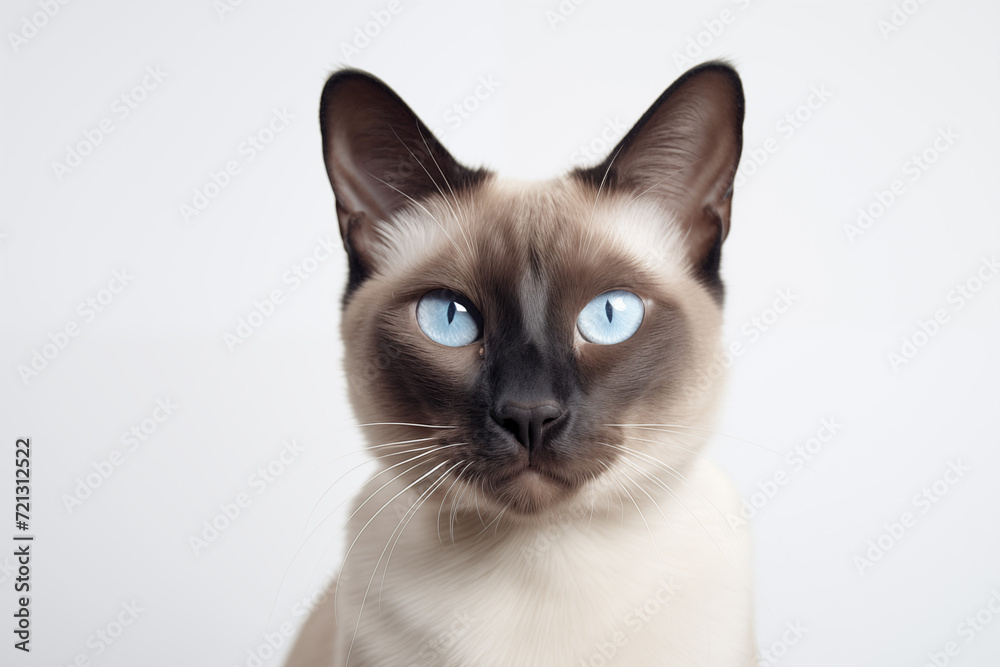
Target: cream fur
560,589
555,593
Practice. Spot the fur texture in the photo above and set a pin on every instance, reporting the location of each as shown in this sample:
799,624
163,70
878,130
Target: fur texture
593,536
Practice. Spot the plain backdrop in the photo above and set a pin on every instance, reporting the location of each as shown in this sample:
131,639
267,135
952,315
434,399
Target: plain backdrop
886,108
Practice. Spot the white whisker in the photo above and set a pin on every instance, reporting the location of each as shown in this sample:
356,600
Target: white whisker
405,424
445,497
362,464
361,609
704,528
666,428
412,512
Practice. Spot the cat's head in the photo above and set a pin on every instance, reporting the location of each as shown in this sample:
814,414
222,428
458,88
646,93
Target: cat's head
515,337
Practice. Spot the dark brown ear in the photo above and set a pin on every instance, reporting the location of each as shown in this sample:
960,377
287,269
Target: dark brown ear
683,152
380,159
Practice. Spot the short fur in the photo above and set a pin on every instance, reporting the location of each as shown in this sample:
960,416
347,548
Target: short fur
602,534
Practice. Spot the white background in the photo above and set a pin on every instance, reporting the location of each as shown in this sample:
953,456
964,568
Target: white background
560,83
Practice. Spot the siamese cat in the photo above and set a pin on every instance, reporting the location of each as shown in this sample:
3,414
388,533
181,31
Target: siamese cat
528,363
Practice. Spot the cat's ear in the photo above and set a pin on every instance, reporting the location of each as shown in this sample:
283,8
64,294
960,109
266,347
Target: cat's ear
380,158
683,153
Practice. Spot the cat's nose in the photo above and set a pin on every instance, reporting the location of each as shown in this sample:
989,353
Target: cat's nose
528,423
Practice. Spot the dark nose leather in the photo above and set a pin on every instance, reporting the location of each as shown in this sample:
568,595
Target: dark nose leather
528,423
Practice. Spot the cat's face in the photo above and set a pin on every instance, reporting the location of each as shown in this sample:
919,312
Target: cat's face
511,337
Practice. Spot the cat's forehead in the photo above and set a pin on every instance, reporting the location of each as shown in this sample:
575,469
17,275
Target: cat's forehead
534,228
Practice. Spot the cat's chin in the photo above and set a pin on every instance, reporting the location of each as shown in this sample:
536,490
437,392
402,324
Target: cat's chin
532,491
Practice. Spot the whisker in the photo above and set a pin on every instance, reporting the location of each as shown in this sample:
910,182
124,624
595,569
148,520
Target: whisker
665,428
665,178
680,500
499,517
333,513
364,450
462,220
495,520
405,424
649,530
364,463
411,512
431,215
593,501
361,610
683,545
621,504
396,465
454,508
670,470
304,539
475,490
373,494
440,191
673,445
445,497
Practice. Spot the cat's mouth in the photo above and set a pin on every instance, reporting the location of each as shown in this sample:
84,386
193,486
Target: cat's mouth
530,468
532,471
532,488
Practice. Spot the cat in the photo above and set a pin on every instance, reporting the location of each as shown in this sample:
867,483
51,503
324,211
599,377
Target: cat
528,362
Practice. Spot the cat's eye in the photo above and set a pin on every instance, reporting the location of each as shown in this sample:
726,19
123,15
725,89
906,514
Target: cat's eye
449,318
611,317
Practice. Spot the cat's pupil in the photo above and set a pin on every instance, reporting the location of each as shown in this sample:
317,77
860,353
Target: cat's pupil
451,312
608,309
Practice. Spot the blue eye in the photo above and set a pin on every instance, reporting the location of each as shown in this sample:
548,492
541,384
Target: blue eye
448,318
610,318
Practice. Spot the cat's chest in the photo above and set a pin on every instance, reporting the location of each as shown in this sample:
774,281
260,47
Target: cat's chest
583,588
550,596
